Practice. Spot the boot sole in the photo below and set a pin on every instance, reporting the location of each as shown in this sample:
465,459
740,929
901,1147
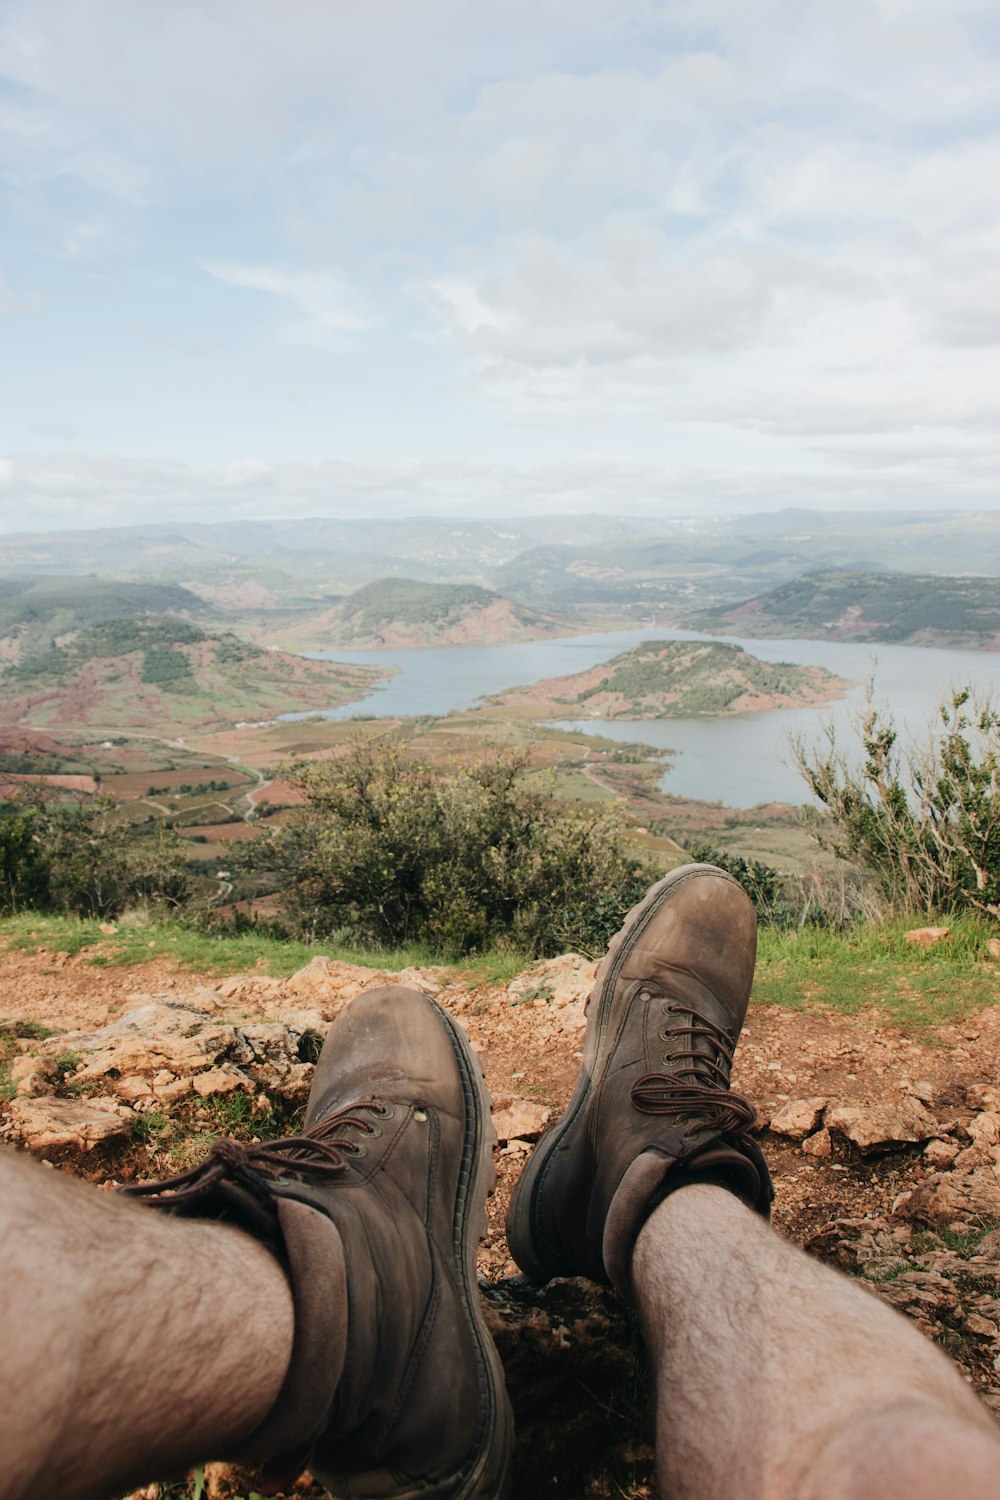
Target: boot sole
537,1257
488,1474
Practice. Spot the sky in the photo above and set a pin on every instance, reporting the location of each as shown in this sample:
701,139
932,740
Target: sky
397,257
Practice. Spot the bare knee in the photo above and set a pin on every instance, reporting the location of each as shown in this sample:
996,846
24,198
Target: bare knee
911,1453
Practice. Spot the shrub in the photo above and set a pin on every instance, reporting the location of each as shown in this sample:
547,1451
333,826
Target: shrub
387,850
926,827
83,858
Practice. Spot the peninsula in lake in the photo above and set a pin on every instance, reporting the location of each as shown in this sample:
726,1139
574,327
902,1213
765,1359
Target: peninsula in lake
675,679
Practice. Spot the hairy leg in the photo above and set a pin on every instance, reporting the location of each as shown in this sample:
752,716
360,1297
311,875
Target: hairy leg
134,1344
778,1379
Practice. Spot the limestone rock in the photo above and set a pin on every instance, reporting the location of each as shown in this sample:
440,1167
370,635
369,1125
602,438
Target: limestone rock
220,1081
418,979
881,1127
923,1090
164,1047
318,977
300,1021
519,1119
51,1124
983,1097
819,1145
926,1296
296,1083
926,937
560,982
993,947
31,1075
940,1154
799,1118
944,1198
985,1128
853,1244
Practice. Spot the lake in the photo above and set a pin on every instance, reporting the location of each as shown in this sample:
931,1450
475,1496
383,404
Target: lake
740,760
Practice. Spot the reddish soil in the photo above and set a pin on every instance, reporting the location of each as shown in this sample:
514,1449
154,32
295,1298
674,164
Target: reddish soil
221,833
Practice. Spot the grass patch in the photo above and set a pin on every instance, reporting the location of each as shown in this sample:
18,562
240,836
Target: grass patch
867,970
190,947
872,969
498,966
964,1243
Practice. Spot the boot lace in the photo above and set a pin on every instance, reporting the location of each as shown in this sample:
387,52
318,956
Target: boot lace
320,1151
698,1089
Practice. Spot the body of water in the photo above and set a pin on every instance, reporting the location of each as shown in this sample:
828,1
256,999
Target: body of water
740,760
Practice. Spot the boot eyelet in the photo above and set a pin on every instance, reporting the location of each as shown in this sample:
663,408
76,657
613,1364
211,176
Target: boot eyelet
384,1111
664,1034
665,1057
665,1007
375,1131
420,1115
361,1151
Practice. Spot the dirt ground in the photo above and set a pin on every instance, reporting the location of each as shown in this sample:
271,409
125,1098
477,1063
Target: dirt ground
843,1201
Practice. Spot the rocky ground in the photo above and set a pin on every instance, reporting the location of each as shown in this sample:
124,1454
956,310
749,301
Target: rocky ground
885,1151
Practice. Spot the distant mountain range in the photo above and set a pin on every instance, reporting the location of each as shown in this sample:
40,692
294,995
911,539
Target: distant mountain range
838,605
672,679
301,584
168,676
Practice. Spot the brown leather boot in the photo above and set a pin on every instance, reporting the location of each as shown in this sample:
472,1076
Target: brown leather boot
652,1108
395,1388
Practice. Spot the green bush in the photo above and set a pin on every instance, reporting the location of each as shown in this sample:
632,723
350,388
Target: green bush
386,850
83,858
926,827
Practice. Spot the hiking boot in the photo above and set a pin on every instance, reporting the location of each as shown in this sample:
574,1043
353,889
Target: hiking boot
652,1109
394,1388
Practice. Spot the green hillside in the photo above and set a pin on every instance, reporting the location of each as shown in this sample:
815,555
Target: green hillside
405,612
835,604
36,612
664,679
167,675
406,601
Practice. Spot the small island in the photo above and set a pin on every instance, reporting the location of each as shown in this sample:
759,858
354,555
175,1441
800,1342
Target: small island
675,679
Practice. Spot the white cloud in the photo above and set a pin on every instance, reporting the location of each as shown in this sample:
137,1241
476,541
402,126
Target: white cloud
329,304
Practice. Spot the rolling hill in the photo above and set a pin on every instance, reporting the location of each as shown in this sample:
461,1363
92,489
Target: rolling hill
167,676
402,612
675,679
36,613
840,605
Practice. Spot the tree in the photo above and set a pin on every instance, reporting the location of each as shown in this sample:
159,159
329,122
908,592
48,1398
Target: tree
388,850
84,858
925,827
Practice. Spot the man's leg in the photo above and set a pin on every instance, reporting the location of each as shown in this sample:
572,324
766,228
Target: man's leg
779,1379
133,1344
308,1302
776,1378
